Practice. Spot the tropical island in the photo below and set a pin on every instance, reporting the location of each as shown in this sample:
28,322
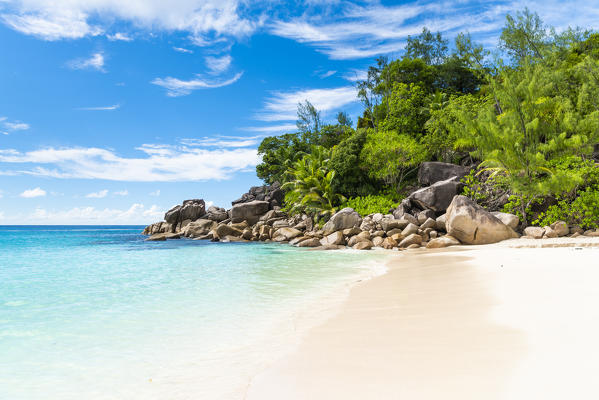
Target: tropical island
460,146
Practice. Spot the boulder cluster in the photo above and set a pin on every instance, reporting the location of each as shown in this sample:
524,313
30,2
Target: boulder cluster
434,216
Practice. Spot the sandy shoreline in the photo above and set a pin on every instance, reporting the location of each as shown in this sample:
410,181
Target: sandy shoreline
492,322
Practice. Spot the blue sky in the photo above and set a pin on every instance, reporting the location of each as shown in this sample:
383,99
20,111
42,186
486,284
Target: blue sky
113,111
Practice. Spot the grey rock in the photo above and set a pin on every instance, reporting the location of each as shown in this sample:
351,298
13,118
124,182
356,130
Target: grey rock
389,224
364,245
443,241
471,224
510,220
561,228
344,219
535,232
335,238
285,234
411,239
198,228
433,171
250,211
438,196
312,242
410,229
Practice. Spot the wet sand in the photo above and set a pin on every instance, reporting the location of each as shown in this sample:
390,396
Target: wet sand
489,322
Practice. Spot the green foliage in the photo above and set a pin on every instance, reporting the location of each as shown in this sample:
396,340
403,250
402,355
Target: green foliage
390,156
351,177
524,36
406,112
371,204
310,188
582,211
447,137
277,153
580,205
308,118
531,121
429,47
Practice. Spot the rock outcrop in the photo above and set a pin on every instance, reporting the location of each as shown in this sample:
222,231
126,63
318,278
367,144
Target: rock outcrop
272,194
432,172
438,196
471,224
250,211
344,219
189,210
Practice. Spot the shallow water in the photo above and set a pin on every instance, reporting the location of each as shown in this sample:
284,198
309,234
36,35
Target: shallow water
97,313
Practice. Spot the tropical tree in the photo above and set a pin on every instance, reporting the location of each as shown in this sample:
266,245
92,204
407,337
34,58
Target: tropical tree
310,188
390,156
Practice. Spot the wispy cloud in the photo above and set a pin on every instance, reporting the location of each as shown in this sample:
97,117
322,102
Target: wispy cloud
203,20
282,106
95,62
177,87
325,74
223,141
105,108
155,193
121,193
119,37
157,163
32,193
183,50
136,214
97,195
218,65
271,128
7,126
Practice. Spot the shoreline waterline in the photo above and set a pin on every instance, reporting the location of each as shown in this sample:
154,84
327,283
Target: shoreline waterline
104,315
480,322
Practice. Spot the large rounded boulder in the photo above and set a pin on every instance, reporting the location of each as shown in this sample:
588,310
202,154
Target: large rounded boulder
250,211
433,171
471,224
190,210
344,219
438,196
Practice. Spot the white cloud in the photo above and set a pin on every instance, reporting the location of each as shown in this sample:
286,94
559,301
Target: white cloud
177,87
183,50
119,37
95,61
282,106
9,126
31,193
218,65
272,128
354,75
367,29
159,163
104,108
121,193
71,19
16,126
97,195
223,141
155,193
326,74
136,214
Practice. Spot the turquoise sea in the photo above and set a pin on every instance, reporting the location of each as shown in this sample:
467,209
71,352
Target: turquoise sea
94,312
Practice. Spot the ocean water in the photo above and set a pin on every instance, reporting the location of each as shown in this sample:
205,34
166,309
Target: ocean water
97,313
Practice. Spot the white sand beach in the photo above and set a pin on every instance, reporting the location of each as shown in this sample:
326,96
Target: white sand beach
484,322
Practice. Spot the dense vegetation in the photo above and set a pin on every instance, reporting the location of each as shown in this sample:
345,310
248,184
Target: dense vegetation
527,117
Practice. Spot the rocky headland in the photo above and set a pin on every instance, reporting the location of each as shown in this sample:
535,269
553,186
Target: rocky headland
434,216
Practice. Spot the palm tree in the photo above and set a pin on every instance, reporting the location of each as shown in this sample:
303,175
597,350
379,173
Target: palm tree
310,187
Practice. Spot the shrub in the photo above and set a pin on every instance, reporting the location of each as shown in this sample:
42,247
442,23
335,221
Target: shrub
583,211
371,204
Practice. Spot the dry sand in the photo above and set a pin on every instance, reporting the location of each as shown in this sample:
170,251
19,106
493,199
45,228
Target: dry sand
487,322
